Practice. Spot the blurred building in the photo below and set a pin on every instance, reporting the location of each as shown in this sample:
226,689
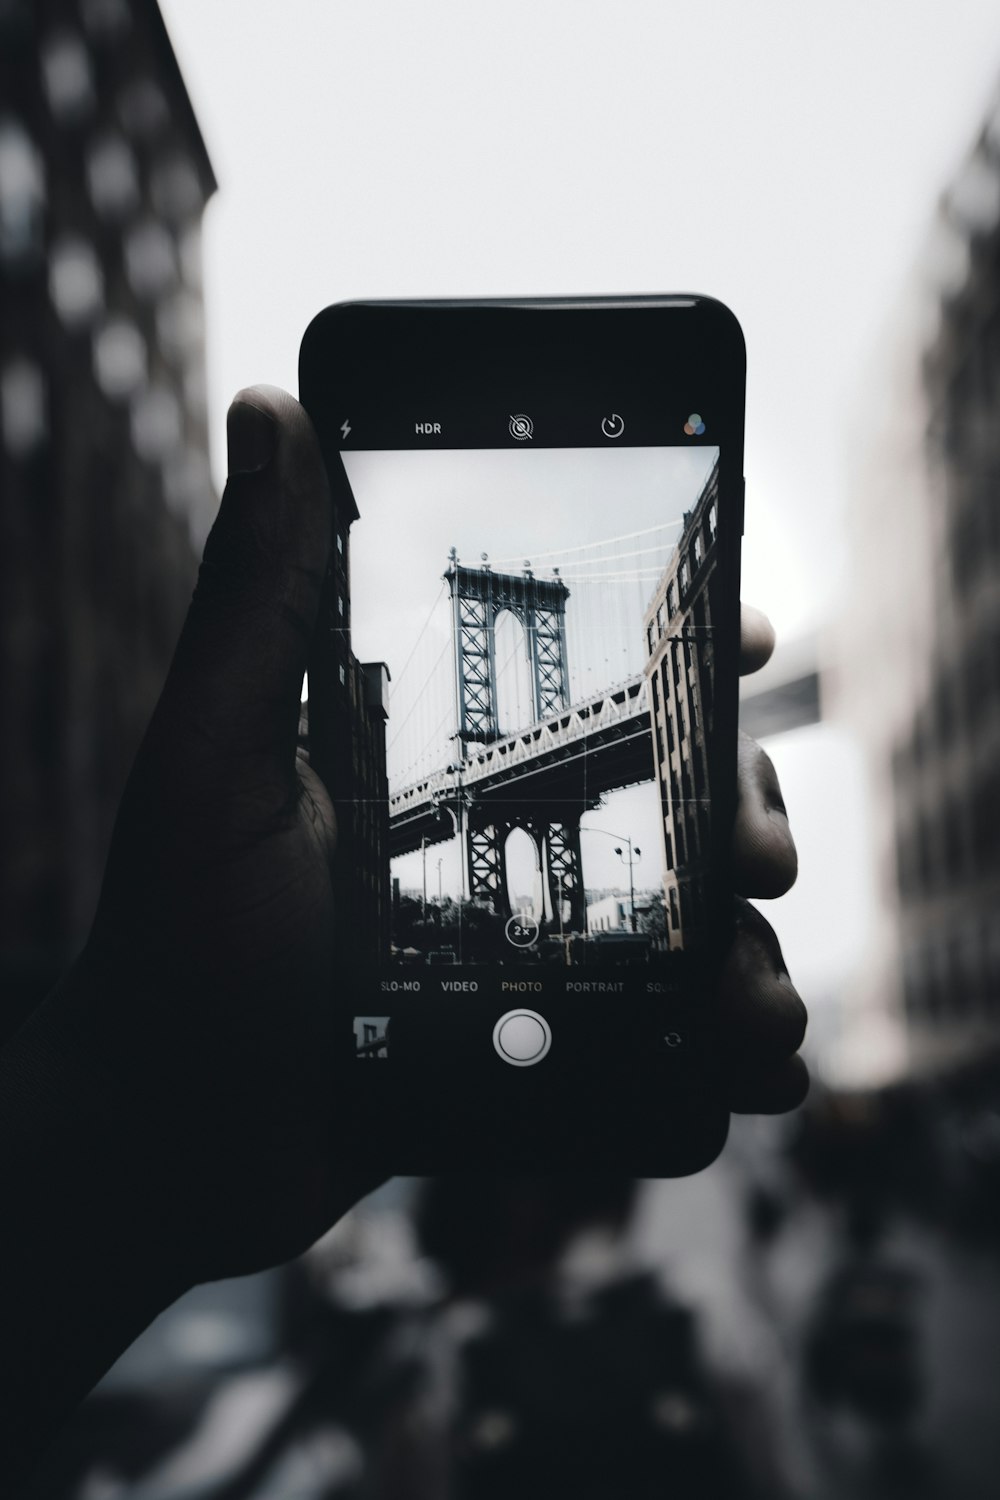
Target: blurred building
105,492
918,667
678,628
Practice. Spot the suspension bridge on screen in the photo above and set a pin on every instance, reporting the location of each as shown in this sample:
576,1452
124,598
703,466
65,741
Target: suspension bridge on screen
522,703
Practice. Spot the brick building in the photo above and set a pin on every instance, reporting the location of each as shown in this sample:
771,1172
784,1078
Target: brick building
678,626
916,669
105,493
946,760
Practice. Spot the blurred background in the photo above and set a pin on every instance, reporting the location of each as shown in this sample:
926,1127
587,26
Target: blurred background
182,187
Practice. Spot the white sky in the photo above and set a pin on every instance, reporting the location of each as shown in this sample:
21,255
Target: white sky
783,155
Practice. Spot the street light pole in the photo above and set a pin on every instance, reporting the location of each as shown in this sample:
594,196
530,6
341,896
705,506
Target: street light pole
631,849
631,882
423,899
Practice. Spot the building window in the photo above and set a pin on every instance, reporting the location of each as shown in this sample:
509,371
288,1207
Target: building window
684,576
156,423
66,77
671,600
698,550
340,544
112,179
23,403
76,282
22,193
175,189
650,641
675,916
150,260
119,358
343,675
713,519
180,326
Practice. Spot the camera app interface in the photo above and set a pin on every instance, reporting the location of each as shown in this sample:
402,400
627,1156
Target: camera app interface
531,632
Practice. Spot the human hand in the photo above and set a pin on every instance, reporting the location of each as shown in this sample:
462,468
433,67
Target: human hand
166,1116
172,1098
201,1010
761,1018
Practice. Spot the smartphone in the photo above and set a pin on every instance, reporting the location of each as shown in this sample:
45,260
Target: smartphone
523,699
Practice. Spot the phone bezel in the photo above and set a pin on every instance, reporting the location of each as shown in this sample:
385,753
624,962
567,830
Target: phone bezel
370,357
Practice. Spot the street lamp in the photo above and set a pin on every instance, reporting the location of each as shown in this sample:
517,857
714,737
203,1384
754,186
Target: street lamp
634,852
631,883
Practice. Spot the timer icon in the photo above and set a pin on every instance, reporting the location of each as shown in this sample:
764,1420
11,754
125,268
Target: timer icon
613,426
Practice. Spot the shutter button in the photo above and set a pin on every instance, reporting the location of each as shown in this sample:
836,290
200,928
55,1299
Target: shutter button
522,1037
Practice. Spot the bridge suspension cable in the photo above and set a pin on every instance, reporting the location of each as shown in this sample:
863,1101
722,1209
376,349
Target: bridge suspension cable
423,630
626,536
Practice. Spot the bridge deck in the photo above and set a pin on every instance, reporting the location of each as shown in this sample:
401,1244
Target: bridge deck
571,759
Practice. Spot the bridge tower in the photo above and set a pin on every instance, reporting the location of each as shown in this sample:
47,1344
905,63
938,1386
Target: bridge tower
478,597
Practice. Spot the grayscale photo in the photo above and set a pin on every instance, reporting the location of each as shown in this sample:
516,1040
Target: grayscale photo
499,750
549,697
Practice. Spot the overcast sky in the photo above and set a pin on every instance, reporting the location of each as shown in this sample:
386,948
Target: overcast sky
781,155
785,157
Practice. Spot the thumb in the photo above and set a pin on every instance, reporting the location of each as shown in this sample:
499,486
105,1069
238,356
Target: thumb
235,684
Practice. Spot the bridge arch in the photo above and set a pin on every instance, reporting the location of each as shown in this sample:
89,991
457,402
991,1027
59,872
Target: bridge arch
523,867
514,688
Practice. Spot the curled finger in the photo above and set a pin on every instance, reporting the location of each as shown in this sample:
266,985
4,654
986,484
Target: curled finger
764,859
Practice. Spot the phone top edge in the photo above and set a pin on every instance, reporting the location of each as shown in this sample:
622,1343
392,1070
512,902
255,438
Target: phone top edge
637,299
639,302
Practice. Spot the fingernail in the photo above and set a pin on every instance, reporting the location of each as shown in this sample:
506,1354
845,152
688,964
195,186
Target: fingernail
252,435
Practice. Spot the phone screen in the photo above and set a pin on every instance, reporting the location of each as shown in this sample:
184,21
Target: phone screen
532,631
